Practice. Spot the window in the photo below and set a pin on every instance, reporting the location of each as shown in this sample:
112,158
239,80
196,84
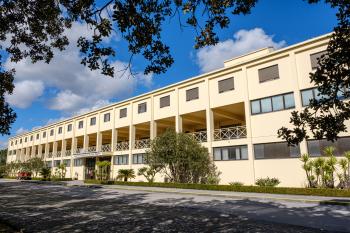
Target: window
11,143
31,138
59,130
142,107
49,164
20,141
226,85
80,124
93,121
56,163
121,159
78,162
37,136
122,113
52,132
315,57
164,101
230,153
69,127
25,139
16,142
139,158
44,134
275,150
268,73
313,93
316,147
272,104
192,94
106,117
66,162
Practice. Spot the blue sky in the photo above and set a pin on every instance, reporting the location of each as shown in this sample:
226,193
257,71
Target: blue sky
46,93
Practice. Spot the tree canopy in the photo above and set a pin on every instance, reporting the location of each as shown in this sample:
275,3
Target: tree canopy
182,159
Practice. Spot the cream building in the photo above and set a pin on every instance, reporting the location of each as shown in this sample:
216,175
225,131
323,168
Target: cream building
234,111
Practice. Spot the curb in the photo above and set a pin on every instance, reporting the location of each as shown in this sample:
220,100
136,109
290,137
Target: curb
321,202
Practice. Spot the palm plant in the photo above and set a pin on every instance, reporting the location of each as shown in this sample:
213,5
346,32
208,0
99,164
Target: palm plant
126,174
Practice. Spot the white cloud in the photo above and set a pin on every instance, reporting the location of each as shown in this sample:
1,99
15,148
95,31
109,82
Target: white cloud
78,88
25,93
21,130
244,41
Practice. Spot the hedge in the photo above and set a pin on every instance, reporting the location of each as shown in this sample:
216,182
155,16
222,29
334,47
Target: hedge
41,179
251,189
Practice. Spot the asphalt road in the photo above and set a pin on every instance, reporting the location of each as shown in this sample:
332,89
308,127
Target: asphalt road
53,208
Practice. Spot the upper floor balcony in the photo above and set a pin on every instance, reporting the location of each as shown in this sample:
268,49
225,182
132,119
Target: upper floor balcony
229,133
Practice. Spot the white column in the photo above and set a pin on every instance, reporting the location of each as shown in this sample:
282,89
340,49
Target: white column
131,142
86,142
114,139
99,141
153,129
64,147
178,123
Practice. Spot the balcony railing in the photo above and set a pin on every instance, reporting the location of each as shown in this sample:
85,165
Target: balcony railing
50,154
68,152
78,150
58,154
120,146
106,148
92,149
143,143
230,133
200,136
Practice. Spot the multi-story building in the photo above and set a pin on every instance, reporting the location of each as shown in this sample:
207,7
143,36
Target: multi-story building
235,111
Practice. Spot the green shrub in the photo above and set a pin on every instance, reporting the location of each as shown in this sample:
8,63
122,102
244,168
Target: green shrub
267,182
236,183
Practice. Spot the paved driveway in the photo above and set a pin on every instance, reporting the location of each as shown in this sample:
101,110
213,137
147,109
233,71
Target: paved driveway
54,208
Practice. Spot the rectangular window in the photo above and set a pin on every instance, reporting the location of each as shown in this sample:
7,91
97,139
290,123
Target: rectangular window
106,117
44,134
56,163
226,85
16,142
313,93
164,101
69,127
268,73
139,158
80,124
276,150
52,132
20,141
142,107
316,147
49,164
25,139
78,162
192,94
37,136
121,159
122,113
315,57
60,130
230,153
93,121
66,162
31,138
273,103
11,143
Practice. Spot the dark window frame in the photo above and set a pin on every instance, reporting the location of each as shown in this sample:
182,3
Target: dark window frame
167,103
69,127
188,96
121,112
271,79
272,110
117,160
226,90
269,143
92,121
142,107
143,158
81,124
105,118
60,129
240,152
337,154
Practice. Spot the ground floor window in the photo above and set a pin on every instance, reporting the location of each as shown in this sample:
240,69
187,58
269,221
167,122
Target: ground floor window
121,159
78,162
139,158
276,150
231,153
48,163
316,147
66,162
56,163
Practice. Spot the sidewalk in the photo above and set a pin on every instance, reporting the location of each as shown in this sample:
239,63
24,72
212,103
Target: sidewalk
239,195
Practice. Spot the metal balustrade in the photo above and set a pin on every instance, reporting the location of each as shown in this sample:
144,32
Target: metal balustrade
68,152
106,148
50,154
120,146
142,143
92,149
230,133
200,136
58,154
78,150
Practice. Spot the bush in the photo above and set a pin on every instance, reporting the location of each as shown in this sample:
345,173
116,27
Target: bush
253,189
236,183
267,182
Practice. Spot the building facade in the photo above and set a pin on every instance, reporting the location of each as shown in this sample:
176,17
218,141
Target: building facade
235,111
